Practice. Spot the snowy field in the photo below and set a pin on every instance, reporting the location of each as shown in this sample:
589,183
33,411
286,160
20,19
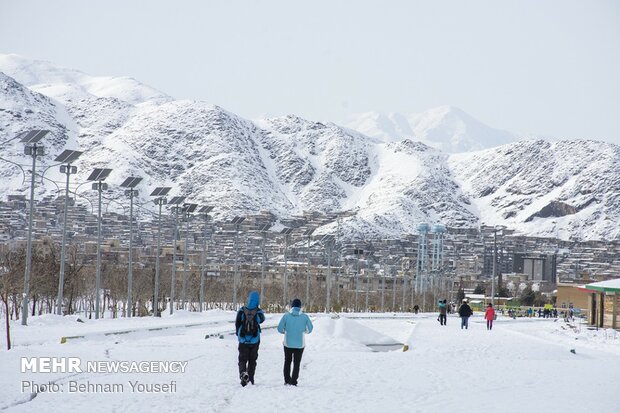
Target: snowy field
349,364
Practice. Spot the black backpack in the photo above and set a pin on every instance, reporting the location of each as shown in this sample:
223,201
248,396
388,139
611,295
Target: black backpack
250,326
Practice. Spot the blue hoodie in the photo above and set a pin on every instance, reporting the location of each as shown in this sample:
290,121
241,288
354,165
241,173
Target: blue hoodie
294,325
253,302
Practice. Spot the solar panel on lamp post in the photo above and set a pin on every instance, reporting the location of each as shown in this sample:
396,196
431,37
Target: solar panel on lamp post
236,221
97,177
175,202
286,232
130,183
67,157
159,192
188,209
32,148
201,295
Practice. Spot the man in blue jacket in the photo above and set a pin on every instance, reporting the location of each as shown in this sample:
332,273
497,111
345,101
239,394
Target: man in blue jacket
294,325
247,328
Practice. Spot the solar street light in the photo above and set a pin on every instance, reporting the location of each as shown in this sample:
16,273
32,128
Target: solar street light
67,157
160,192
32,148
98,175
204,210
263,230
286,232
308,235
237,222
176,208
187,210
130,183
328,242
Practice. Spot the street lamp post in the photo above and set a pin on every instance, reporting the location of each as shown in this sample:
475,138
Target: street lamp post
175,202
383,289
393,289
495,229
67,157
97,177
236,221
308,234
130,183
160,193
328,241
357,252
286,232
31,140
188,209
201,295
263,230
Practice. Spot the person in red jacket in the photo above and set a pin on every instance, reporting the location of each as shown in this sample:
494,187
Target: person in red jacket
489,315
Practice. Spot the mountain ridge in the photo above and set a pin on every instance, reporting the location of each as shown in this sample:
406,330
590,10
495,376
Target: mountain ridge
287,165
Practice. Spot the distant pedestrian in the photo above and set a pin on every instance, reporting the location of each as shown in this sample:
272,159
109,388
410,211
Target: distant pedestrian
489,315
416,308
294,325
465,312
443,308
247,328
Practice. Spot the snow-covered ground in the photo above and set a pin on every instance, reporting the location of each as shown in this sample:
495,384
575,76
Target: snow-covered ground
523,365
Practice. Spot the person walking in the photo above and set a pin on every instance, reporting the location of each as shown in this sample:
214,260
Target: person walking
247,329
443,309
465,312
294,325
489,315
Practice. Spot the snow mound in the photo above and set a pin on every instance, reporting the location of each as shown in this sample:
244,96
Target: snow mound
344,334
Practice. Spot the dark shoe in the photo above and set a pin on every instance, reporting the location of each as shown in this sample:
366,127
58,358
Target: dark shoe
244,378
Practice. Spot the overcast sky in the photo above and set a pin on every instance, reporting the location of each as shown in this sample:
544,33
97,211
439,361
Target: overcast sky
530,66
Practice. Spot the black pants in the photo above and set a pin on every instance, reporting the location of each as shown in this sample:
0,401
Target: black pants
294,355
248,353
442,319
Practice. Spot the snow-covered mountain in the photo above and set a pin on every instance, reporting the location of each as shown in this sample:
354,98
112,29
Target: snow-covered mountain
446,128
288,165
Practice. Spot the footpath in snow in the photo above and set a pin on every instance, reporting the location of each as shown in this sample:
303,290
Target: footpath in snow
352,362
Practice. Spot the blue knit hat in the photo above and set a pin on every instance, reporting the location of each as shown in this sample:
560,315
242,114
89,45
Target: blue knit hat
296,303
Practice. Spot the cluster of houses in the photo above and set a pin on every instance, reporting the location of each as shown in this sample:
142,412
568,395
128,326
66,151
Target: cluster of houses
565,269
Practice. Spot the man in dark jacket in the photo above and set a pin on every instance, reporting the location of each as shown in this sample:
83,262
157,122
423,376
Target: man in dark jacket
465,312
247,328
